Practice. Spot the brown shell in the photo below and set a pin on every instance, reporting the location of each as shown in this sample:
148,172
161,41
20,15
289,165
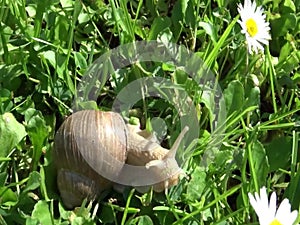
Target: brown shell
87,136
90,151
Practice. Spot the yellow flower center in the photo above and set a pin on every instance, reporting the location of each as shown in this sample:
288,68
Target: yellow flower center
251,27
275,222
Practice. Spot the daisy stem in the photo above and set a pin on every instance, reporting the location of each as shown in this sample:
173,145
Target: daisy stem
249,144
272,77
294,153
251,164
247,62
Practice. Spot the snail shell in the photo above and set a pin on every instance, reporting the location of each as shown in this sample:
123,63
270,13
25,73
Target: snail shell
93,150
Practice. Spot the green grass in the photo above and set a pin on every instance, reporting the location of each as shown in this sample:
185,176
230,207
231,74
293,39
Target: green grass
47,46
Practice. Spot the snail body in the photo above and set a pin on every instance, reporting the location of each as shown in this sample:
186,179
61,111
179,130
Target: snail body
96,150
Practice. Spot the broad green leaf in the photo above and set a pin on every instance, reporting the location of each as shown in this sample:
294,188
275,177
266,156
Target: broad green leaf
64,214
31,10
5,100
94,4
33,181
190,17
253,97
80,61
180,77
83,18
168,67
283,24
41,212
36,127
26,104
145,220
288,6
275,4
165,37
78,221
107,214
32,221
293,191
7,197
223,157
279,152
290,63
177,20
234,96
77,10
37,130
88,105
3,178
285,51
164,216
197,184
50,56
210,30
207,98
55,60
260,160
158,26
183,4
62,28
11,133
141,220
67,4
38,19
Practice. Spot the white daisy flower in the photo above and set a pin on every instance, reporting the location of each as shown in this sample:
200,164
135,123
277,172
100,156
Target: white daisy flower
266,211
254,26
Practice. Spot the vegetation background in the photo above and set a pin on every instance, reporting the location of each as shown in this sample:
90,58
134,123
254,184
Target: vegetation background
45,48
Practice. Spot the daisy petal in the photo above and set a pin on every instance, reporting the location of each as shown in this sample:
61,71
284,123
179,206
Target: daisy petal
254,26
266,210
272,204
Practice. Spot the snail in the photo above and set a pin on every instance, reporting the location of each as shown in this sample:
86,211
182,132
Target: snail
95,151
